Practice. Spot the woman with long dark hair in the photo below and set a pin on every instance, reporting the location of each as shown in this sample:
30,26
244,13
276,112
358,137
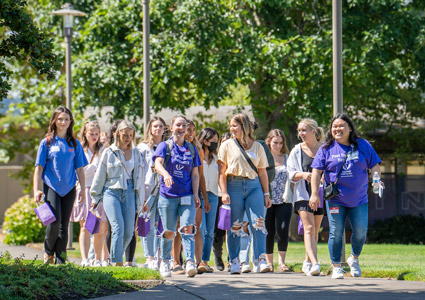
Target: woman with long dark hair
345,159
177,161
208,138
60,158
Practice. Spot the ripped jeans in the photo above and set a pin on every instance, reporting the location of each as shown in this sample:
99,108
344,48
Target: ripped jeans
169,210
246,196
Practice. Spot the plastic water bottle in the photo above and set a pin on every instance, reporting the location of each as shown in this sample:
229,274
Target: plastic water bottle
376,181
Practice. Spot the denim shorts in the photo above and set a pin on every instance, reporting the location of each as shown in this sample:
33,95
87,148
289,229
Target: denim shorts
303,205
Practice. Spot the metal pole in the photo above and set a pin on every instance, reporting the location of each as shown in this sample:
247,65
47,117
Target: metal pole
337,55
146,66
68,41
337,74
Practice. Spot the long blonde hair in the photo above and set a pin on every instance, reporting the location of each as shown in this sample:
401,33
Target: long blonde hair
274,133
246,125
148,139
121,126
312,124
195,141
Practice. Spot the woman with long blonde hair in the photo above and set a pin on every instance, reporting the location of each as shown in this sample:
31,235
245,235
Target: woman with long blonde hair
299,168
245,189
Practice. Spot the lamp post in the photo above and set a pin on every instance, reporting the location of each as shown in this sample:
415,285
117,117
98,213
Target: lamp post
146,67
68,13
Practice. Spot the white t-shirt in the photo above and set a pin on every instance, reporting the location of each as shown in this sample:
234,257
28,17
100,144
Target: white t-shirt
211,175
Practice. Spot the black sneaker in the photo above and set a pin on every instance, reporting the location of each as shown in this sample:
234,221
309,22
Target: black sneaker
219,264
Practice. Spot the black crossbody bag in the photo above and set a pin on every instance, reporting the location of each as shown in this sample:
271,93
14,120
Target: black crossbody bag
331,190
246,155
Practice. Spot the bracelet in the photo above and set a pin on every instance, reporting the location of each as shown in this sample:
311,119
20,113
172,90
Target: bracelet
266,194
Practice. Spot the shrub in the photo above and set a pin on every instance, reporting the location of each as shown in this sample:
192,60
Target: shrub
406,229
23,280
21,224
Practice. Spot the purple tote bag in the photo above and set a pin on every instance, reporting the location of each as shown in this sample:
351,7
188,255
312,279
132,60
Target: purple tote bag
92,223
224,218
300,226
45,214
160,227
143,225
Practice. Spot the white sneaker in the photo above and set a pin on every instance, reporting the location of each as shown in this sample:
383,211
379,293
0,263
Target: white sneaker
153,265
315,270
256,268
264,267
85,263
96,263
235,268
246,268
190,269
165,269
354,266
105,263
338,273
306,267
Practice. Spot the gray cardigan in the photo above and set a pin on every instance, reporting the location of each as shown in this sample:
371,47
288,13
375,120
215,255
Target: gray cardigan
109,174
294,166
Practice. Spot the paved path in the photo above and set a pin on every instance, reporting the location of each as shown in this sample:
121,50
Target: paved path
221,285
29,253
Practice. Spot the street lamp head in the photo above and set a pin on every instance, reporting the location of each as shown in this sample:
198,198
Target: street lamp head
68,12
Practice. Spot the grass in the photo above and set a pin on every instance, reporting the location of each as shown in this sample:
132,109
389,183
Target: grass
402,262
21,279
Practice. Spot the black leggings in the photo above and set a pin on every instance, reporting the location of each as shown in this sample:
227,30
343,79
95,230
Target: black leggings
219,234
131,248
56,237
278,217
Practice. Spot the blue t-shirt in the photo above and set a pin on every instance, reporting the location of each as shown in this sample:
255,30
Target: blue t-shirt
179,167
353,180
59,163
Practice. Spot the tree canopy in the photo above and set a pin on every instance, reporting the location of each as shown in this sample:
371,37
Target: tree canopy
21,40
280,49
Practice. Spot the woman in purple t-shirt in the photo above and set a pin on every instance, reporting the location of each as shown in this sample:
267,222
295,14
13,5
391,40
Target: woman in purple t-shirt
351,203
178,198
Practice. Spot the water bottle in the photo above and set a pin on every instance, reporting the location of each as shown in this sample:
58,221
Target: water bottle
376,181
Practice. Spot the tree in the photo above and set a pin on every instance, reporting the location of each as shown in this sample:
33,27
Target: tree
20,39
279,49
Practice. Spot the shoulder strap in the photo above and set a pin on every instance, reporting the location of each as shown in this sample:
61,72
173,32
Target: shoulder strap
192,152
123,164
245,155
340,170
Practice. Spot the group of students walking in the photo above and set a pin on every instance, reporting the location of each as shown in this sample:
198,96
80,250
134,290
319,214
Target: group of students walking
178,180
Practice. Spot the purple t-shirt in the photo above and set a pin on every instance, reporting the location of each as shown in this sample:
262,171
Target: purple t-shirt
59,162
179,167
353,180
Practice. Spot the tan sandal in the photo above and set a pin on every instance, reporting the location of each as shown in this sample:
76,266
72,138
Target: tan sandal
282,268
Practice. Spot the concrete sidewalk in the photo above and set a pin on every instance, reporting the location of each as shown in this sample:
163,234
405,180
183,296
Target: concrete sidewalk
29,253
221,285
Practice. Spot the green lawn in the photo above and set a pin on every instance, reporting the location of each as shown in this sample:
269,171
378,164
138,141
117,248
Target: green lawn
403,262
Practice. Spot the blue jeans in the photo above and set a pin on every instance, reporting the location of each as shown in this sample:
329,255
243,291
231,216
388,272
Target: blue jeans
358,218
169,210
245,243
120,208
148,242
208,225
246,196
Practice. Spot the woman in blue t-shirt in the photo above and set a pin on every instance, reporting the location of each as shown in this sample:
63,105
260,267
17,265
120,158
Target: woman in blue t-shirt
60,158
344,149
178,193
